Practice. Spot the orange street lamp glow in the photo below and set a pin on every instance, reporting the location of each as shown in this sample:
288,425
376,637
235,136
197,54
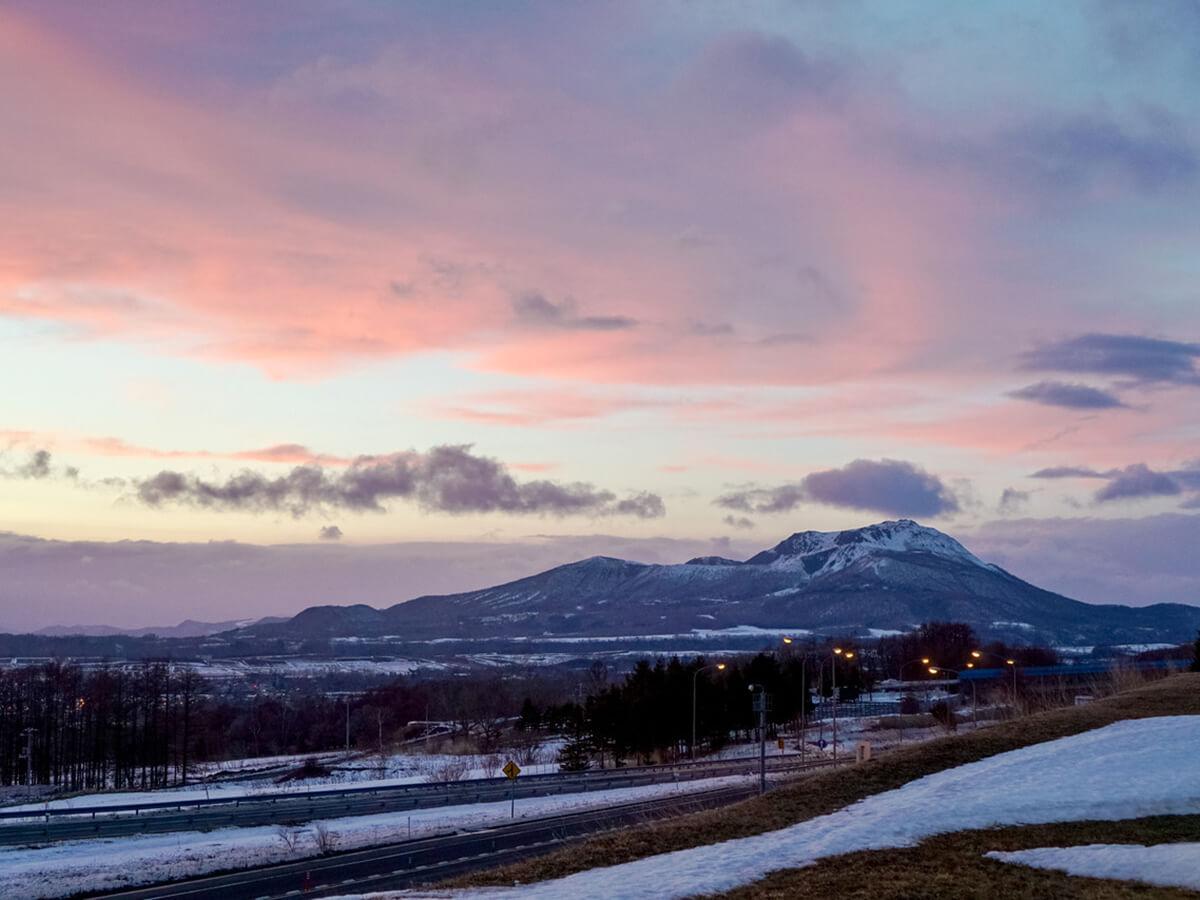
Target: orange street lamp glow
849,655
787,640
720,667
925,660
933,670
837,650
976,654
970,665
1011,662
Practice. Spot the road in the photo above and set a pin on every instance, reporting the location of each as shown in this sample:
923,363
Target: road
427,860
288,808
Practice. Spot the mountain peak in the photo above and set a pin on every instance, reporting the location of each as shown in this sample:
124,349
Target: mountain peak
839,548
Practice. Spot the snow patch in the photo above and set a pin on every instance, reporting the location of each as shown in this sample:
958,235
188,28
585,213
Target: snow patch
1166,865
1133,769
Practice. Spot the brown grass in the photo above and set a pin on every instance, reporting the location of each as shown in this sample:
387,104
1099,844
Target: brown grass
954,865
826,792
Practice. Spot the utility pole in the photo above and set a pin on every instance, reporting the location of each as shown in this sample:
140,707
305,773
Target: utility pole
29,733
834,698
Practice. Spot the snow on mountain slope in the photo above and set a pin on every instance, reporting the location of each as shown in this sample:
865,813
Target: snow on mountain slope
884,576
825,552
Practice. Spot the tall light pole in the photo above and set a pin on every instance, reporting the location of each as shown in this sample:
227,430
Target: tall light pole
845,654
720,667
29,733
1008,661
803,698
935,670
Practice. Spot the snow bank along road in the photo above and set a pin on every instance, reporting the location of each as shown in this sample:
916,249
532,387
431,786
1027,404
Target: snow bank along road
431,859
1126,770
79,822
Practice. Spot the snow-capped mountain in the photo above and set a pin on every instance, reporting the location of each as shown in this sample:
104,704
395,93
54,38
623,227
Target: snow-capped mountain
892,575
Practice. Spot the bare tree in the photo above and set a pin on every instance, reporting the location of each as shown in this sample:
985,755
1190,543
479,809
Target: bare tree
325,839
289,835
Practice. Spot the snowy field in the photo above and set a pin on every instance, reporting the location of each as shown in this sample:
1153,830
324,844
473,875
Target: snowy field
1166,865
1126,770
395,769
64,869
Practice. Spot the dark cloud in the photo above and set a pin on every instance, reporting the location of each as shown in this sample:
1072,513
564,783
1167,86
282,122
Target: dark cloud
644,505
536,310
447,479
738,522
1141,359
1137,481
1071,396
1012,500
402,290
1070,472
1133,481
747,78
889,486
1077,152
330,533
38,466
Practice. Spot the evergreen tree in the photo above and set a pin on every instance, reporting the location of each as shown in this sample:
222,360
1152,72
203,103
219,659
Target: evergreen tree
531,716
575,755
1196,654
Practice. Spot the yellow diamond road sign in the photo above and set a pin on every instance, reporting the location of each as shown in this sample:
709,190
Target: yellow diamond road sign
511,769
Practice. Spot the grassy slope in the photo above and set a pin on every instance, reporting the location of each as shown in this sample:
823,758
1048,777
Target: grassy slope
954,865
830,791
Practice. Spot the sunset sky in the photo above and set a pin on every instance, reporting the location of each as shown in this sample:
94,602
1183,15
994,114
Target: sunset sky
500,284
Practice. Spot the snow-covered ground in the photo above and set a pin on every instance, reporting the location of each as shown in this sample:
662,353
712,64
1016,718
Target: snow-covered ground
64,869
309,668
1126,770
395,769
1168,865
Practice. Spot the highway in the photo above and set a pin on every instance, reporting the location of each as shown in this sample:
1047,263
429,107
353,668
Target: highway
428,860
293,808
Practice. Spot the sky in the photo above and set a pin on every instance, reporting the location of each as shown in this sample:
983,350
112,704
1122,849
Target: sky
473,287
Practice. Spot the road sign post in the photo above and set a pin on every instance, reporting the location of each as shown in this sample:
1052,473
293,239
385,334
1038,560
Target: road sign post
511,770
761,705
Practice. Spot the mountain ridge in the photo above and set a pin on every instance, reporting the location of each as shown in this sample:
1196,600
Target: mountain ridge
891,575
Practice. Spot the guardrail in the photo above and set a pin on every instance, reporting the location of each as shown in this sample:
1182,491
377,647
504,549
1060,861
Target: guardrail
69,825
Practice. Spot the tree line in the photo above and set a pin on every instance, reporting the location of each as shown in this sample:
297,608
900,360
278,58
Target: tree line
149,724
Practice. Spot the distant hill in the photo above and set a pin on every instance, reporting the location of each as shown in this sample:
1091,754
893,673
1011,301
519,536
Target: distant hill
188,628
888,576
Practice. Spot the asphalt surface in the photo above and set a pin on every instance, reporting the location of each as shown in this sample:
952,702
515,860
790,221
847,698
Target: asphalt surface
295,808
428,860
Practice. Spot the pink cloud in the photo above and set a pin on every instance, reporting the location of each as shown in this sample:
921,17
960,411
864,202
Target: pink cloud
253,234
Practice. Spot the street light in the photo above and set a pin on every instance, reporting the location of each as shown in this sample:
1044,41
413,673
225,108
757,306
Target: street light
788,641
934,670
845,654
1008,661
720,667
